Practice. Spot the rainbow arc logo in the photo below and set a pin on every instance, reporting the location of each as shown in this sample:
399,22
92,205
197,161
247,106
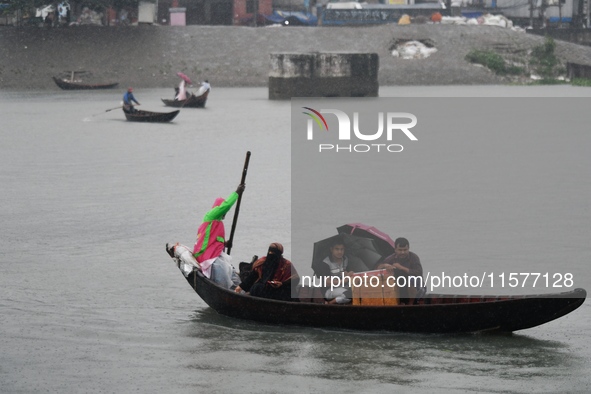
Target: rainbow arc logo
317,117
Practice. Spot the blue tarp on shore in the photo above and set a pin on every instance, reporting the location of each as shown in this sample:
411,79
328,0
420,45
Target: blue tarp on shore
288,18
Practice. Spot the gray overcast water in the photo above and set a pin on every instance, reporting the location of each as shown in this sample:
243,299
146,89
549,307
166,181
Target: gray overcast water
90,301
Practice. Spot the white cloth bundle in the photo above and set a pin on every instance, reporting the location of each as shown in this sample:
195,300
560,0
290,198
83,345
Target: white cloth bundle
185,259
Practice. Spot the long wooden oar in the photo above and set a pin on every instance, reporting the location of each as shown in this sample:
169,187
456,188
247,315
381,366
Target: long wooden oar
111,109
242,180
121,106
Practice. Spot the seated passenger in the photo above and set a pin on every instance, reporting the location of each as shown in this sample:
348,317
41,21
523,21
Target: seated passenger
187,263
272,276
335,264
205,86
406,264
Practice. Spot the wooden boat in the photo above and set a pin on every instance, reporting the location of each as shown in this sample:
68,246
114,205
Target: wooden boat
150,117
432,314
192,101
79,85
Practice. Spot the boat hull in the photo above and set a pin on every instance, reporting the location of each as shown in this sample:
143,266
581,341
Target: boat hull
505,314
150,117
66,85
191,102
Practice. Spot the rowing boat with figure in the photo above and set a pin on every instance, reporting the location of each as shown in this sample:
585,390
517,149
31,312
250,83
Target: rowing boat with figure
432,313
79,85
193,101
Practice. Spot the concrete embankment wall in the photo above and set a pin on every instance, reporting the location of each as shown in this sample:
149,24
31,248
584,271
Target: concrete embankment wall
150,56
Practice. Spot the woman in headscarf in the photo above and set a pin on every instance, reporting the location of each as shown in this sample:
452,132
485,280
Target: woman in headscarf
272,276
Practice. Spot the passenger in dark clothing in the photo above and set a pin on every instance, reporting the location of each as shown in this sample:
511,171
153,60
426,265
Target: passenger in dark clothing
406,264
272,276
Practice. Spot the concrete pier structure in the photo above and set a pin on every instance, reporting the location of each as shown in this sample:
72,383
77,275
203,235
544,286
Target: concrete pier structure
319,74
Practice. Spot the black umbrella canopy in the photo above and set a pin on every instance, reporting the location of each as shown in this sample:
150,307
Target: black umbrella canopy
361,252
384,243
322,248
363,248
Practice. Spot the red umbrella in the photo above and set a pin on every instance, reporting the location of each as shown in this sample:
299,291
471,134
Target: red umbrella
185,78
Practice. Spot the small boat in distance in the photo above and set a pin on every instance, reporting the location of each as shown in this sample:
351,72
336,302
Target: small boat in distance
433,313
193,101
150,117
77,84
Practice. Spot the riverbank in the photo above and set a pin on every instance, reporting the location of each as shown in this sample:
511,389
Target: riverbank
149,56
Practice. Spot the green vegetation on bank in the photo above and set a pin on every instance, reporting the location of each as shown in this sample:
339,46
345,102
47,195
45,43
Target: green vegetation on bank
544,62
541,61
494,62
581,82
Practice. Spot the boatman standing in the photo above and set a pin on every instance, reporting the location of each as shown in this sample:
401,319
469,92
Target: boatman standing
128,100
209,247
181,91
